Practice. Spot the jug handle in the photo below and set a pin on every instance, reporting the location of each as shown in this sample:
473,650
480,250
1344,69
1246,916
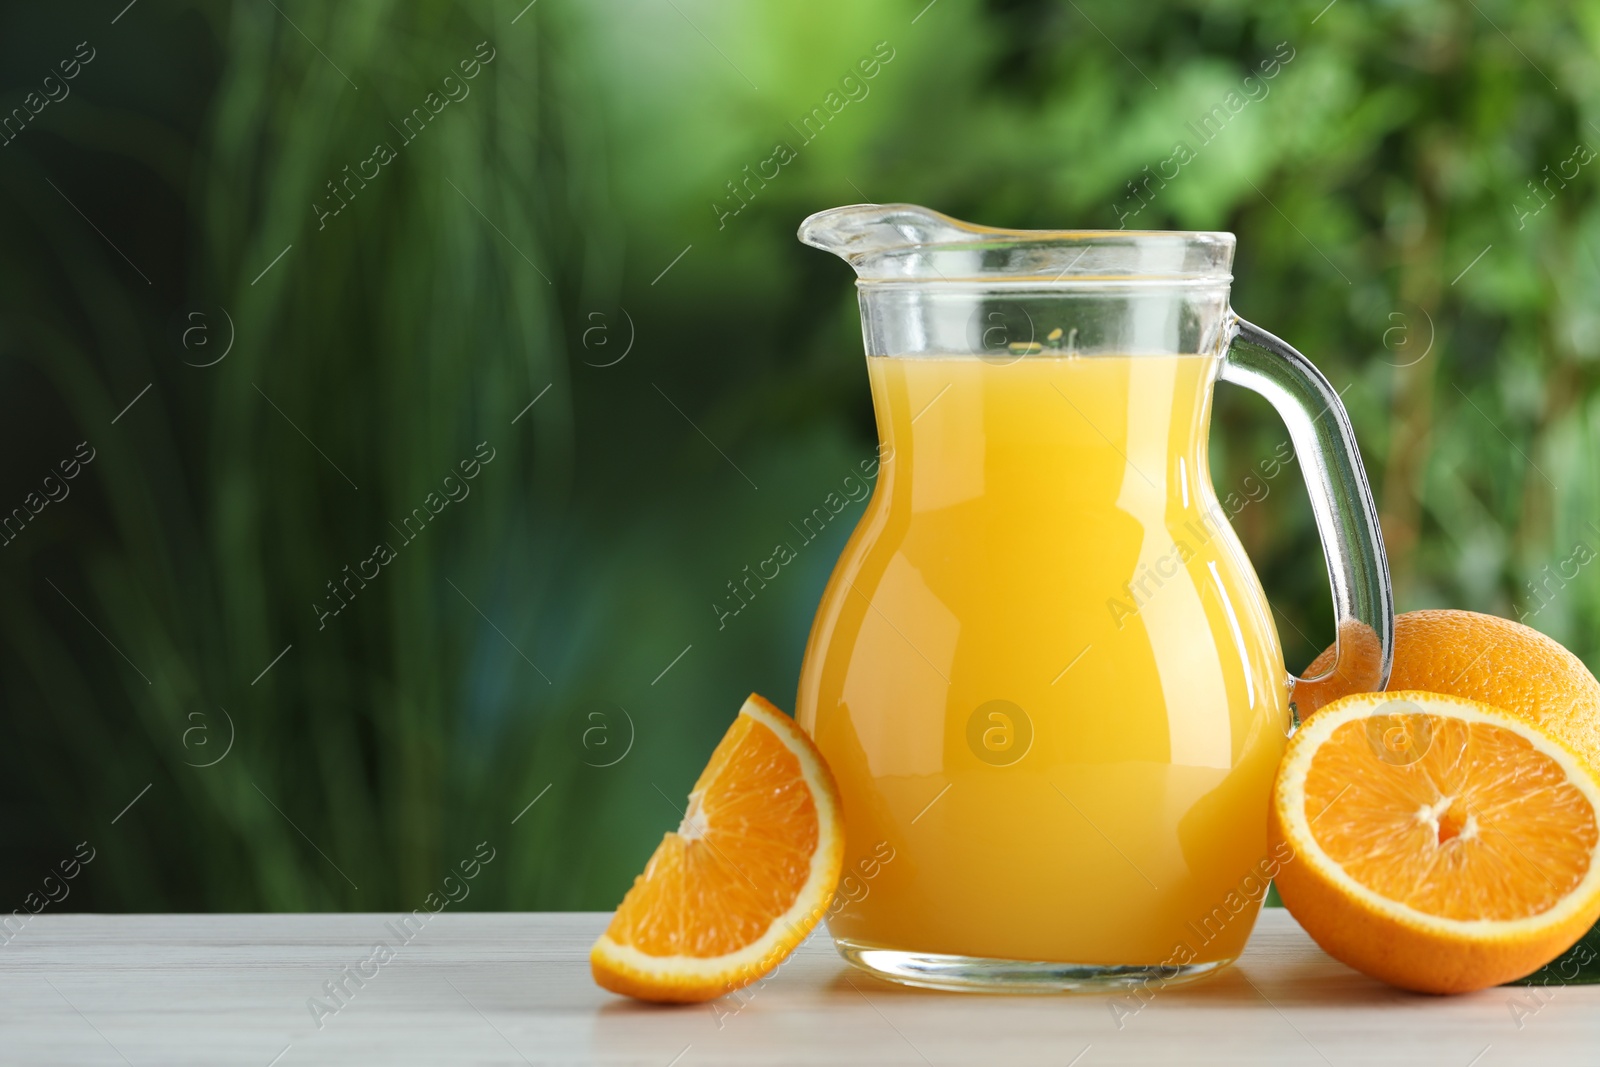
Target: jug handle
1341,501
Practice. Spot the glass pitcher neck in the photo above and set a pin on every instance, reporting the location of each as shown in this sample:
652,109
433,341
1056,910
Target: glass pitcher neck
1109,435
904,243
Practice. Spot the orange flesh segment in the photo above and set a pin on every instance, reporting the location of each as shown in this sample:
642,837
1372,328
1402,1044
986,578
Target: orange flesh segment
751,802
1481,825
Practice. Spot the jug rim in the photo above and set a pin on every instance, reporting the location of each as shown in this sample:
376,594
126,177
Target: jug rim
909,244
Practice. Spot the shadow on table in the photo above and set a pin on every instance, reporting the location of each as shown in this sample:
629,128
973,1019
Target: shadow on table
1317,983
621,1006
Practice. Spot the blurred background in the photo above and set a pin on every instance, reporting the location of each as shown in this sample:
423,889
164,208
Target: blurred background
282,282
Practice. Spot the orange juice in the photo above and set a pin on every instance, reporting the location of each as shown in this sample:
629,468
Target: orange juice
1043,672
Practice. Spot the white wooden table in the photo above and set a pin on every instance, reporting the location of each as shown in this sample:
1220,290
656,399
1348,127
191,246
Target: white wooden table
515,988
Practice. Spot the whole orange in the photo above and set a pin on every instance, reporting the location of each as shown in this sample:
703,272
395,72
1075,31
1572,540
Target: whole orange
1489,659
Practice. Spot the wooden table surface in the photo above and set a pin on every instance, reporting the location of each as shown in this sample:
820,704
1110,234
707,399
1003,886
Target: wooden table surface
515,988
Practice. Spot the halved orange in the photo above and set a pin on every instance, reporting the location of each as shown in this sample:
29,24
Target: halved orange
1440,844
745,877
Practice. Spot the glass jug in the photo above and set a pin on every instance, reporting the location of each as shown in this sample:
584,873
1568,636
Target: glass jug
1043,671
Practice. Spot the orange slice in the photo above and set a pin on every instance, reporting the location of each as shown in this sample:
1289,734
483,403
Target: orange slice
1439,843
745,877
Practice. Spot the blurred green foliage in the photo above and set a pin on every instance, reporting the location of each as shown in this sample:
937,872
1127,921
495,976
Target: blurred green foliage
567,208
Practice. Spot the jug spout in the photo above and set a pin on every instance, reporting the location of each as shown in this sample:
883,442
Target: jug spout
908,243
860,232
